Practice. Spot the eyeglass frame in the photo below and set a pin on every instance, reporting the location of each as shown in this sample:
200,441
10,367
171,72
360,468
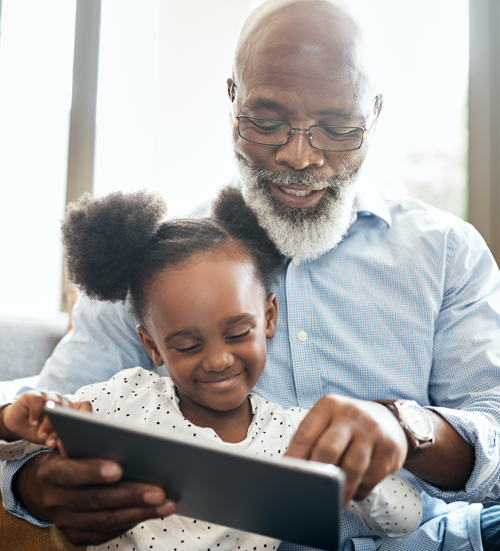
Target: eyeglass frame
365,130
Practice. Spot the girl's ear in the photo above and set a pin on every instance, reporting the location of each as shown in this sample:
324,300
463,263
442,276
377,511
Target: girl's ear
271,315
149,345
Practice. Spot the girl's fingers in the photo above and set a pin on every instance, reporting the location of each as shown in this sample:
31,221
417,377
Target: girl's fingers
82,406
61,449
35,405
51,441
45,429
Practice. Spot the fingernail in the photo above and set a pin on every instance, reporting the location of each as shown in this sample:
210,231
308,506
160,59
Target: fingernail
153,497
110,471
167,508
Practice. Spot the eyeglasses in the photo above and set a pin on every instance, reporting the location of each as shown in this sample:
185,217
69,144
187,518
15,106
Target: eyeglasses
326,138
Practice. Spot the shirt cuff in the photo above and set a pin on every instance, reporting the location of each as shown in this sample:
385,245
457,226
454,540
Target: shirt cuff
8,470
484,482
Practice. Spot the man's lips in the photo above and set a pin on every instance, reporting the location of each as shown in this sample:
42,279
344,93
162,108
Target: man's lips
297,196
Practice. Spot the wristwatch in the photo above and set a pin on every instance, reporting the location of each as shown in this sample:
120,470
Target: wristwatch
416,423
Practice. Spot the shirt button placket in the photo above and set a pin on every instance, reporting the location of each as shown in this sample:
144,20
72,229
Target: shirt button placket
301,338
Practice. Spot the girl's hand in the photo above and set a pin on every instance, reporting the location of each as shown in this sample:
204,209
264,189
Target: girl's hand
25,419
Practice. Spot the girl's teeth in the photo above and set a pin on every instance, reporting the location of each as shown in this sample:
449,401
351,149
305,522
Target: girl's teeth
297,193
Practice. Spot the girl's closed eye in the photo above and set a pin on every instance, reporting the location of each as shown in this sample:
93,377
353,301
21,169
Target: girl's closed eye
188,348
239,336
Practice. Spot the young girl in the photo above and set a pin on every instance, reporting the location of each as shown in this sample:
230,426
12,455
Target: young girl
201,292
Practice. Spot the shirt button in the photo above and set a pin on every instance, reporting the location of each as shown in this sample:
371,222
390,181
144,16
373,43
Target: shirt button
302,336
296,261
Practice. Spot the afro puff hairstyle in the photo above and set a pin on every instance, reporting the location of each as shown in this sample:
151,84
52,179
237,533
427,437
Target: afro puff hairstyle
115,245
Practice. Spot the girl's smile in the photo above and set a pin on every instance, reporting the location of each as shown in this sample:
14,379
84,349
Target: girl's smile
224,383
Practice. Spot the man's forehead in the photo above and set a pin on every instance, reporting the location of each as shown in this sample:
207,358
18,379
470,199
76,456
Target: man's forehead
301,42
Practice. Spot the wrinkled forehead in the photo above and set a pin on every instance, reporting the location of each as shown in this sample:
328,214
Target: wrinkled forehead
306,47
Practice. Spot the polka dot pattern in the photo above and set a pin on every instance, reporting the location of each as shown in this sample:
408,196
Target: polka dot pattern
392,510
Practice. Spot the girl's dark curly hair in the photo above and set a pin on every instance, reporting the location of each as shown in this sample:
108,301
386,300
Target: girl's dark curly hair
115,245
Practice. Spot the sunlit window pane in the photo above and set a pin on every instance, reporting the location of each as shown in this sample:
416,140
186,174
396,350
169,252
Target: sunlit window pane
36,60
420,50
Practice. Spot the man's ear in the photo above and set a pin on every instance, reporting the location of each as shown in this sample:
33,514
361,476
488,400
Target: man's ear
271,315
149,345
379,104
231,89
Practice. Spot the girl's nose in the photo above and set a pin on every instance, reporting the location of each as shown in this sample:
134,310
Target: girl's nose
217,360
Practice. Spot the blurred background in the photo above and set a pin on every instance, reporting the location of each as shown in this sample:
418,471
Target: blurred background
157,70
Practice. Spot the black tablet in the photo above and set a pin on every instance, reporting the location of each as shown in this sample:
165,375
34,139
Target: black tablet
285,498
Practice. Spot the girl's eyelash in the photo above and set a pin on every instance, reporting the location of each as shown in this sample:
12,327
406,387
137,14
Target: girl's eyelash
190,349
240,336
233,337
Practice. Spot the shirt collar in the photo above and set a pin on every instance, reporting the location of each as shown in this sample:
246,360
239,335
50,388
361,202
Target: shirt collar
369,202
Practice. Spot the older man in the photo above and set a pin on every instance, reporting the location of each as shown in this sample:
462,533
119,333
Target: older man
393,301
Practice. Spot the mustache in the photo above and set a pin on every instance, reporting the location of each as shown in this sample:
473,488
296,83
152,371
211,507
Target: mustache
307,178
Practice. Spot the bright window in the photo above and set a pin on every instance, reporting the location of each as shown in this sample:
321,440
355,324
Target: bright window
36,61
420,50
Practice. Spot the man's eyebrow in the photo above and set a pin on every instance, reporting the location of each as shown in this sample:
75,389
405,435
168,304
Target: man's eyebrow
186,332
273,105
267,104
235,319
336,113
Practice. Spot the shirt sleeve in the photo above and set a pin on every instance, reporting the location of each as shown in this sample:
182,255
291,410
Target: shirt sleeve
464,386
8,469
393,508
102,342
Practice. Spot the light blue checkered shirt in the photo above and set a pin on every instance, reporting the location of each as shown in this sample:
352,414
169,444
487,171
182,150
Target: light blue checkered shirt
407,306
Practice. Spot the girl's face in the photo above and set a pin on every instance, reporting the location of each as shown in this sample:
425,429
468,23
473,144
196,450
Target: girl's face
208,321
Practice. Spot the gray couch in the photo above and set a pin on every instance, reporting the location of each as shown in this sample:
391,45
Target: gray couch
25,344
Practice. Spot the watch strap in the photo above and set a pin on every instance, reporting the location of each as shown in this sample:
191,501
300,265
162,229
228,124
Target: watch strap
415,447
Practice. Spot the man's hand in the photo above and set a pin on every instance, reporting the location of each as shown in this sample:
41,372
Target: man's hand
363,438
85,498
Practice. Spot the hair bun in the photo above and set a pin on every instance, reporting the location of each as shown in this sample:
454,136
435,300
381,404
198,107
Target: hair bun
104,237
238,219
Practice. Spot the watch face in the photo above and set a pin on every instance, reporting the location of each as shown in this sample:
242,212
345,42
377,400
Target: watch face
418,421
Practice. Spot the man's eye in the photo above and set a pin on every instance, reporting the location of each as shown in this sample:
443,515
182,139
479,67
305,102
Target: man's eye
268,126
338,133
240,336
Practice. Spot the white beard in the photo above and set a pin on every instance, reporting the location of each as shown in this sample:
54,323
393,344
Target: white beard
309,232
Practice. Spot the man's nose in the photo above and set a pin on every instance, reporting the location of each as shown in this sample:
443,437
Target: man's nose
217,359
298,152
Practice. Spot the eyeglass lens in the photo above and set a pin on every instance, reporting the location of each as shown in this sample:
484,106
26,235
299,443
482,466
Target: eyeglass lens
269,132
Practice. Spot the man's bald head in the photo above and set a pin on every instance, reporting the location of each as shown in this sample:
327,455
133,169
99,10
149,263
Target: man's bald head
319,33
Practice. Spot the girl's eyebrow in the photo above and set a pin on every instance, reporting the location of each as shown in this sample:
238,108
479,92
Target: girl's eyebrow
235,319
186,332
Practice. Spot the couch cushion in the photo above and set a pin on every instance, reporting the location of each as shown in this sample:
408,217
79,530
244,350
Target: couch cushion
26,343
18,535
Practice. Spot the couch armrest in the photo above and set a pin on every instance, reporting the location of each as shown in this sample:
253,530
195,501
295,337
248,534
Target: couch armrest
18,534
